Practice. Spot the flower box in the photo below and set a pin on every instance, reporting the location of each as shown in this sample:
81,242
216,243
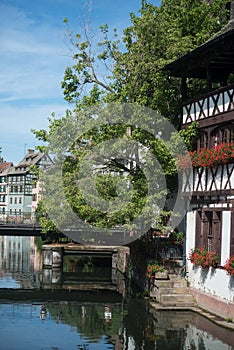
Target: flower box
207,157
201,257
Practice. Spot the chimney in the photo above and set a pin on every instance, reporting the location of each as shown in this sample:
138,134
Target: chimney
30,151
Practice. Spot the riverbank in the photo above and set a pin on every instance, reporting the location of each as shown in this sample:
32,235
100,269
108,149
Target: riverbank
219,321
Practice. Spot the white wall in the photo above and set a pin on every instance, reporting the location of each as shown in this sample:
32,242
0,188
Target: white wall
213,281
190,231
226,233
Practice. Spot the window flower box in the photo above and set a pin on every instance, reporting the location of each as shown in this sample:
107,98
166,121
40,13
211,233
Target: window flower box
201,257
207,157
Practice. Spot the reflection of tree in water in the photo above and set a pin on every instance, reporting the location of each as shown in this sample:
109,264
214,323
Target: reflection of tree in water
89,319
148,332
136,322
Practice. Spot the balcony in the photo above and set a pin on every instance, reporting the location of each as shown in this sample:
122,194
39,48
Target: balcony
214,182
212,104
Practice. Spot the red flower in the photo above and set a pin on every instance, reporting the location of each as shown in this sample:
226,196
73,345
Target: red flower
229,266
206,157
201,257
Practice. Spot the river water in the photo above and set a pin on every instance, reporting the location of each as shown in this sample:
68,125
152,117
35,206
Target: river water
82,307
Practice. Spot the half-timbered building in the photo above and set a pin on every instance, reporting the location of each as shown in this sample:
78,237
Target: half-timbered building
209,189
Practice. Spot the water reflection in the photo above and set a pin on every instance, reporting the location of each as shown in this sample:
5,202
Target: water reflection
20,262
73,325
69,317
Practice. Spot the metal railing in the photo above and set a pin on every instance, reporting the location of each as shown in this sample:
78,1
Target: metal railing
18,218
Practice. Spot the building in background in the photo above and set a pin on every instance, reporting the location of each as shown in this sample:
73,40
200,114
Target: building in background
5,168
16,185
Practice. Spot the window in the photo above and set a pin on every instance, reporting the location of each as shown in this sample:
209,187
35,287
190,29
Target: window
216,137
2,179
11,200
16,189
232,135
15,200
203,140
224,135
20,200
34,197
2,198
209,230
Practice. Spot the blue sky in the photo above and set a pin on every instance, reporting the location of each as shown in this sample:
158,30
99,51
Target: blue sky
34,53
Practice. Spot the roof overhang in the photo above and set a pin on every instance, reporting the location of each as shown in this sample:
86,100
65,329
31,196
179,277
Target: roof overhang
217,55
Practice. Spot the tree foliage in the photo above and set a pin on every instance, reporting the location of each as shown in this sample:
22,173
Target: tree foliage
130,70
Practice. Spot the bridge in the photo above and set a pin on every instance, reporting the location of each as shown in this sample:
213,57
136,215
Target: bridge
26,224
22,224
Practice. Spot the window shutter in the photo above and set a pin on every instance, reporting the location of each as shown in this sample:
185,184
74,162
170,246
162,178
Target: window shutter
232,235
205,228
216,231
198,237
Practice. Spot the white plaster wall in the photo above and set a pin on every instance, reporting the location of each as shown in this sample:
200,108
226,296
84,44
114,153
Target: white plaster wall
190,231
226,230
213,281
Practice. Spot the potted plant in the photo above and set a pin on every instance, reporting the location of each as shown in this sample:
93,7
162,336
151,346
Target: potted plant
229,266
201,257
155,270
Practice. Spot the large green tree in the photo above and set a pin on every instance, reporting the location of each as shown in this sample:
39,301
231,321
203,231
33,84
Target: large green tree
134,64
128,70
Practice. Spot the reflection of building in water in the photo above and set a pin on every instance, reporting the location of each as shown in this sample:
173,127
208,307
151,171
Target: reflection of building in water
200,339
35,256
19,256
15,253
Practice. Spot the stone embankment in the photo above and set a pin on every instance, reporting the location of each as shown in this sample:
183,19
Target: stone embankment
174,294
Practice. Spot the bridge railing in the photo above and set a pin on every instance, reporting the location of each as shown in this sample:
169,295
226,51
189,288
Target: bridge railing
18,218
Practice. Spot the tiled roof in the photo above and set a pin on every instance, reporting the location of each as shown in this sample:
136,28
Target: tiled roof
30,159
4,166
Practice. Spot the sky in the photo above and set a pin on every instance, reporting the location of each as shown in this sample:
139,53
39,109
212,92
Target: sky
35,51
